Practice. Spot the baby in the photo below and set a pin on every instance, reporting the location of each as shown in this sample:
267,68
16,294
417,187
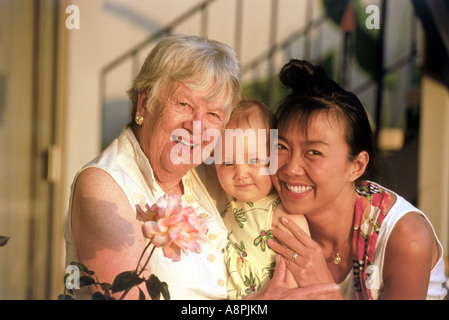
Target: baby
253,205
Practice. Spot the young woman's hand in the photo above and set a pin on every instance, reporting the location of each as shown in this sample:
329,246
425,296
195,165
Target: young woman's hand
278,289
304,257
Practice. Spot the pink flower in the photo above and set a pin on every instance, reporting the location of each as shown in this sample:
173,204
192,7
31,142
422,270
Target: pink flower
172,225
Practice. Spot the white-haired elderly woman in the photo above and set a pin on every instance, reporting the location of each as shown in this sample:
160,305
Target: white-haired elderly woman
188,83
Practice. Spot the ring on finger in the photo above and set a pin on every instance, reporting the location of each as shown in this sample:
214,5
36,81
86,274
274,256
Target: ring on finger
293,257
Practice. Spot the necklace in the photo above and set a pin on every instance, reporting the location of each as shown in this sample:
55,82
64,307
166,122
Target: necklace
335,255
337,258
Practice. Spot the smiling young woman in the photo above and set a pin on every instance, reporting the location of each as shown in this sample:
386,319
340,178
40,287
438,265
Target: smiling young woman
363,236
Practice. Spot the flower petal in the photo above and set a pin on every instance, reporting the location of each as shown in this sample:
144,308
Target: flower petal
172,252
160,240
142,215
172,225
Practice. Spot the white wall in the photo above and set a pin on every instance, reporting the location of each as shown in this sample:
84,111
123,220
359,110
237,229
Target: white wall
434,157
107,29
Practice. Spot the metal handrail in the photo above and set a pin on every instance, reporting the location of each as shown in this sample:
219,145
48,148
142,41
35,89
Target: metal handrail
166,30
274,47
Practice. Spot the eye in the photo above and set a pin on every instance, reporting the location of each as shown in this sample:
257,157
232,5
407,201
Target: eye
216,118
253,161
280,146
314,153
185,107
228,163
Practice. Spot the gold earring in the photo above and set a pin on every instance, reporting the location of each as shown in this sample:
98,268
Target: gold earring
139,119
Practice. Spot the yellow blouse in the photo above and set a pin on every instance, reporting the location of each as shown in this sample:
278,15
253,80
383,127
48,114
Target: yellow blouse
249,260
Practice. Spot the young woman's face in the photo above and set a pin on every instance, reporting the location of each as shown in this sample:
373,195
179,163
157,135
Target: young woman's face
313,169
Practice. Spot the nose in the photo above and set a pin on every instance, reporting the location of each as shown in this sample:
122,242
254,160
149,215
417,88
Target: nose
194,123
293,166
240,171
197,125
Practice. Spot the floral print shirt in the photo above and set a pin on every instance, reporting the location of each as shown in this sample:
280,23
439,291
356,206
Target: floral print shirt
249,260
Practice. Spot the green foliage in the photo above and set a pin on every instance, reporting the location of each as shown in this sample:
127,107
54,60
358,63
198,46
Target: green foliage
329,64
155,288
335,9
123,282
259,88
365,42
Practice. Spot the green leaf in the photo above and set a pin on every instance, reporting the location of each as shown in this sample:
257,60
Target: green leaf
86,281
154,287
165,292
105,286
108,296
65,297
82,267
3,240
141,295
98,296
125,280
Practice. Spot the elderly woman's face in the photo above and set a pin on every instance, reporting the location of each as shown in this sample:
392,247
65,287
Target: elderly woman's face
176,133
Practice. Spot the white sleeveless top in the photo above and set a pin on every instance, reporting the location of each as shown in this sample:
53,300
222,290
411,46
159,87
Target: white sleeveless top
196,276
436,290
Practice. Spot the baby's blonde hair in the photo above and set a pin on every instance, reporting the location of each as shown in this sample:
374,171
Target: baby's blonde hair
247,108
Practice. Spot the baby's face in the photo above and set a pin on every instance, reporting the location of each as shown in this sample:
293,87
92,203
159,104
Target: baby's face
240,171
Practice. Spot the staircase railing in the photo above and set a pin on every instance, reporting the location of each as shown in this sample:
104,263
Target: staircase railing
275,46
133,53
162,32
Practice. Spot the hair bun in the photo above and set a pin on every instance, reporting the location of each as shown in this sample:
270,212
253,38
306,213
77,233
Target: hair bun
302,76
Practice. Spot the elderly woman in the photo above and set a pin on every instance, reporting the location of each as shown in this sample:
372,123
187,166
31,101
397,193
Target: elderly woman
187,83
364,237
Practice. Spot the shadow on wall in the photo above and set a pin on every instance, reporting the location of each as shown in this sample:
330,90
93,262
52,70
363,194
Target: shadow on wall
116,115
124,12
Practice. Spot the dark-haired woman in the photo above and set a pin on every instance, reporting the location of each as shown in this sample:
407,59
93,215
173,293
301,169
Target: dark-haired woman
367,239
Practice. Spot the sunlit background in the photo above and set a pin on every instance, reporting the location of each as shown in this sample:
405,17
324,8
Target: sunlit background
65,67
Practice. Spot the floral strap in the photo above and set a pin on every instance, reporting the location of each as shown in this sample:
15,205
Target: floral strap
370,210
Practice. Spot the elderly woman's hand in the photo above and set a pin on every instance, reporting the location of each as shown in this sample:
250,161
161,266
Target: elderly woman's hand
304,257
277,288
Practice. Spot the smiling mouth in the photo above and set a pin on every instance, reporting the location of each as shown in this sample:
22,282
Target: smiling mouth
178,139
298,189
